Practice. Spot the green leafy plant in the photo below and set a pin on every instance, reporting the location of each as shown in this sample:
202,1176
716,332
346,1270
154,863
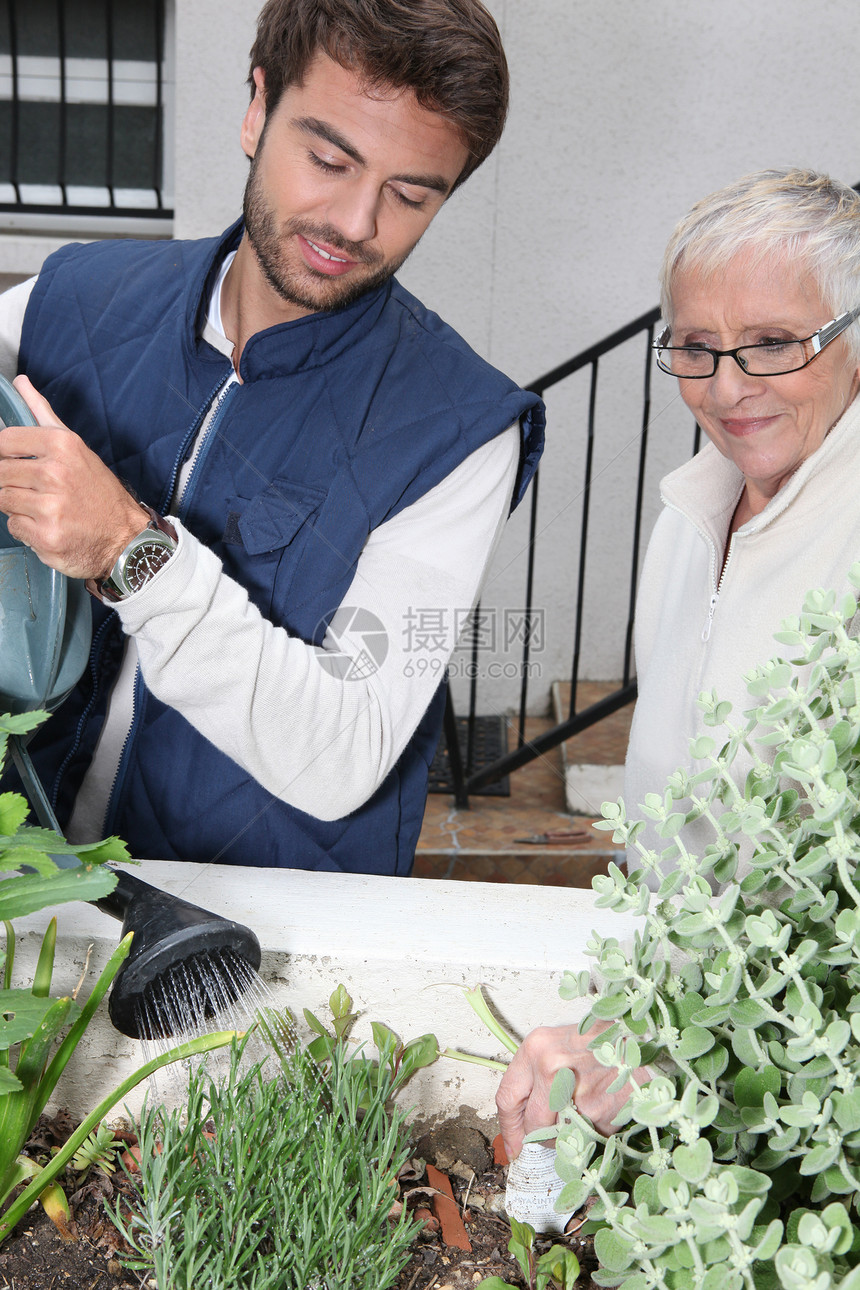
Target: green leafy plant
737,1167
277,1179
32,1056
46,1175
39,1032
559,1266
27,850
401,1060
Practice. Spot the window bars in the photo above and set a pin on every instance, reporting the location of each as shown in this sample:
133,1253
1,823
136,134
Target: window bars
82,108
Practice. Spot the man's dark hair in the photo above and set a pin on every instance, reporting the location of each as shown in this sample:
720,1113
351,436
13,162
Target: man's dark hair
448,52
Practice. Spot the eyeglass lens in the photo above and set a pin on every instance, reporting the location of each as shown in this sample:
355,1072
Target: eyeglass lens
758,360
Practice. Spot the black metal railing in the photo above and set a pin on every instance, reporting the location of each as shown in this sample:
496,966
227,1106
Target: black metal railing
465,777
82,107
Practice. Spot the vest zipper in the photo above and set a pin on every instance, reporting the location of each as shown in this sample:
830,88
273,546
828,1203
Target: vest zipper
177,507
193,434
206,437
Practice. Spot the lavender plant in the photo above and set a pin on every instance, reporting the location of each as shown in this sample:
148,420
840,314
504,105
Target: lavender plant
737,1167
281,1176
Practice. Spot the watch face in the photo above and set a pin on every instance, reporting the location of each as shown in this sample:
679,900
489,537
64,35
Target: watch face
145,560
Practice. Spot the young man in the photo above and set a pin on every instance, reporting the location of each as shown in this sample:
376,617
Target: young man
318,457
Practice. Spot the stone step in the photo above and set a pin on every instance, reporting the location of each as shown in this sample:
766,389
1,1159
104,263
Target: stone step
592,762
483,843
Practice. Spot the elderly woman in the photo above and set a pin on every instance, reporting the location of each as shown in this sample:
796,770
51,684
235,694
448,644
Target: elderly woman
761,297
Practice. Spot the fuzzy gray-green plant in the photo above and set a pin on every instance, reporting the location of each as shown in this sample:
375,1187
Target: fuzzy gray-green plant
738,1165
274,1179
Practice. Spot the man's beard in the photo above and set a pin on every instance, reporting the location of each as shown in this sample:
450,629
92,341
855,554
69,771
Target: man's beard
303,287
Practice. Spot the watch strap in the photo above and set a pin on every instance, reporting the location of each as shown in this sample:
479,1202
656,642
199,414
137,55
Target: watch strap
159,523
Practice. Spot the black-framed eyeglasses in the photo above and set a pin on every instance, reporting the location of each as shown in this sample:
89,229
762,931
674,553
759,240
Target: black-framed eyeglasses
770,358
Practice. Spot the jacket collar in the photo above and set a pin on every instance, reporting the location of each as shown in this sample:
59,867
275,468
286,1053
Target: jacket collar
707,489
289,347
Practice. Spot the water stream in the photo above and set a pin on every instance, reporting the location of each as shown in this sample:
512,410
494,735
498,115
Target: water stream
210,991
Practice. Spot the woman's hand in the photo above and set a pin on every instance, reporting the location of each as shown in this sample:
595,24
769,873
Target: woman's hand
523,1096
61,499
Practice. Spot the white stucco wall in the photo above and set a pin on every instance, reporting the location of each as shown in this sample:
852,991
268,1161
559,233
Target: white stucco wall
623,113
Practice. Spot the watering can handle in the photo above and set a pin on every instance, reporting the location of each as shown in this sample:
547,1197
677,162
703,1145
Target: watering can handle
13,409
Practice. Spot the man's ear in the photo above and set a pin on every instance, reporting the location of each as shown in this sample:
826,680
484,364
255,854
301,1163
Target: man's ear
255,117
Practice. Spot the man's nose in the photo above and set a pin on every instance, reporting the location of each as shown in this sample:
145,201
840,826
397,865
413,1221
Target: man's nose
354,212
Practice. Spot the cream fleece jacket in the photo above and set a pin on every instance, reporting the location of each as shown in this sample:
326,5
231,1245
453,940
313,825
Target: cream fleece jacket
697,630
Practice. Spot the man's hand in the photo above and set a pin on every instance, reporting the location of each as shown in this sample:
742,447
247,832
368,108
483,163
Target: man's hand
522,1099
61,499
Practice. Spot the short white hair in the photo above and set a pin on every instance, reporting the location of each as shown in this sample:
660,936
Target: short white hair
791,214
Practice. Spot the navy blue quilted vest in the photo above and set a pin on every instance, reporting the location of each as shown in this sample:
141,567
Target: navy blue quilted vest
343,419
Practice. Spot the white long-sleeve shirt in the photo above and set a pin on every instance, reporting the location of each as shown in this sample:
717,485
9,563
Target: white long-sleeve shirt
313,730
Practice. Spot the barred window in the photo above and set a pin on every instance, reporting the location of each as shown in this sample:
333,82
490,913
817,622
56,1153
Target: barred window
83,89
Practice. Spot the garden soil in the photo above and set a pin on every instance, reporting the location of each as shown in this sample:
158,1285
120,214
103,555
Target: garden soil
36,1257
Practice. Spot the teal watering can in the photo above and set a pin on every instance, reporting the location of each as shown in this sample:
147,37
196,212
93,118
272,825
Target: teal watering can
45,636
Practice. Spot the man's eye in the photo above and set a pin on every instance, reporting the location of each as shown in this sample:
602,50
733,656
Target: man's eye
328,167
774,342
415,203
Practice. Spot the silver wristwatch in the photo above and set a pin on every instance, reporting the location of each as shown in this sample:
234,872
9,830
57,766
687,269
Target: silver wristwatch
140,561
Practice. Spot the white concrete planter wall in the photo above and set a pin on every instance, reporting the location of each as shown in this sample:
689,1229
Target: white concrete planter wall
402,948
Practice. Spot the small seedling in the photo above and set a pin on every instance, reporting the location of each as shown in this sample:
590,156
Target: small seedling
558,1267
98,1151
402,1059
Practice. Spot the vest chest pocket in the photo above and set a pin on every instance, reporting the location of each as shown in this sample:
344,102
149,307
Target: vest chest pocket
264,539
272,519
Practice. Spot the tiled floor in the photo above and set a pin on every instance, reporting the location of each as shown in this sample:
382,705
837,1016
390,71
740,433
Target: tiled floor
484,843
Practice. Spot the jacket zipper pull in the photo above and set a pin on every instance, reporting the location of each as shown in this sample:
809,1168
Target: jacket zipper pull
706,630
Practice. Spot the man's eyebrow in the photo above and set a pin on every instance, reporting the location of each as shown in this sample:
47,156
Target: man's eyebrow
322,130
